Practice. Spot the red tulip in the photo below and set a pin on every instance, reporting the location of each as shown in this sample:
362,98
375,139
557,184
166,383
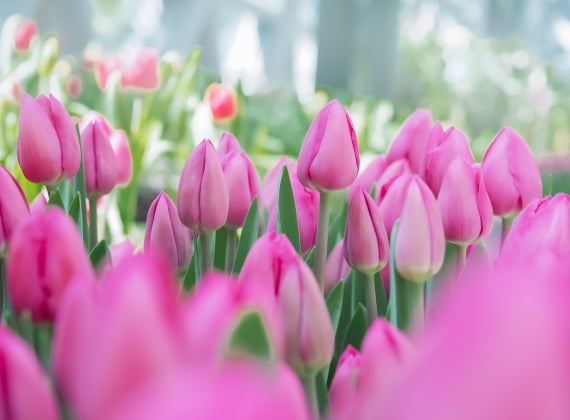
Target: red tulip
223,102
24,34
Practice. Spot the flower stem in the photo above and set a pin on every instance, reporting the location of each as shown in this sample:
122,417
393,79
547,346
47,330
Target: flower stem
371,305
461,258
322,239
92,221
205,252
231,245
310,386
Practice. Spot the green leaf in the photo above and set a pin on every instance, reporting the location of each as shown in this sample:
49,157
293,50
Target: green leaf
56,200
356,328
286,211
189,279
249,234
99,253
346,312
75,212
359,289
381,300
392,307
334,305
322,392
220,248
250,337
79,185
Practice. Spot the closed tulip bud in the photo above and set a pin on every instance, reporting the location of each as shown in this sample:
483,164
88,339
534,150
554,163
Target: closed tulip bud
435,137
510,173
453,145
411,142
329,158
104,67
100,164
165,233
25,392
343,389
73,86
203,198
142,72
392,203
39,203
48,147
13,205
243,186
369,176
223,103
50,244
464,203
366,246
392,172
120,145
420,242
336,267
24,34
228,144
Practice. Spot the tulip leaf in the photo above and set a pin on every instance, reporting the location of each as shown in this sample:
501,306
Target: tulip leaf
221,240
287,222
250,337
381,300
189,279
392,310
56,200
345,313
249,234
322,392
334,303
79,183
356,328
98,253
75,212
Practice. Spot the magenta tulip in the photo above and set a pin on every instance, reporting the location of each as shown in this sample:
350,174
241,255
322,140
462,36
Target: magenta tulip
203,198
329,158
342,393
51,246
336,268
48,147
228,143
13,205
39,203
123,157
100,164
243,186
510,173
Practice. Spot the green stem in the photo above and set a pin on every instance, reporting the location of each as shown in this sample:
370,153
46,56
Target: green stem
231,246
410,302
371,305
92,221
461,258
310,386
322,239
205,252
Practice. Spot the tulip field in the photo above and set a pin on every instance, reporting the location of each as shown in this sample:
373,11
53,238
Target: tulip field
263,282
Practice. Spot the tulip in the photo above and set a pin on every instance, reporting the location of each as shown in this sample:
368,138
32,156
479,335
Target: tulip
329,158
420,242
368,178
453,145
365,240
24,34
39,203
510,173
13,205
411,142
435,137
243,186
336,268
52,248
392,172
48,148
99,160
142,72
10,90
464,203
342,393
117,253
73,86
25,392
203,199
223,102
120,145
104,68
392,203
166,234
228,143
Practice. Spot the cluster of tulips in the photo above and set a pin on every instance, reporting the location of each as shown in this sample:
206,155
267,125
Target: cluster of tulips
424,286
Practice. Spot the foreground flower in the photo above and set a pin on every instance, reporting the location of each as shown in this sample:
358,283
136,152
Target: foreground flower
329,158
13,205
342,393
223,102
48,147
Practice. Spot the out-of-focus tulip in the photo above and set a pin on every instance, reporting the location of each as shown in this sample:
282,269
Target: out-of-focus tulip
329,157
142,72
166,234
13,205
52,249
243,186
120,145
117,253
452,145
411,141
203,198
336,268
24,34
73,86
39,203
104,68
48,147
464,203
228,144
366,246
420,242
510,173
342,393
10,90
240,390
99,160
223,103
369,176
133,310
25,392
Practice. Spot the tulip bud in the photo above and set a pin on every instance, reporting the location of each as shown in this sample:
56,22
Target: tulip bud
39,203
464,203
510,173
369,176
329,158
366,246
99,161
13,205
343,389
392,172
203,198
104,68
435,137
336,267
420,242
228,143
243,186
223,102
392,203
24,34
48,148
50,244
120,145
73,86
25,392
166,233
142,72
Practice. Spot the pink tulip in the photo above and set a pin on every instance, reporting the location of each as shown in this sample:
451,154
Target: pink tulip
420,242
39,203
24,34
100,164
53,251
120,145
392,203
223,102
73,86
104,68
165,233
453,145
240,390
366,246
510,173
342,392
142,72
133,310
203,198
392,172
336,267
368,178
228,143
13,205
10,90
48,148
465,206
435,137
243,186
329,158
25,392
117,253
411,142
